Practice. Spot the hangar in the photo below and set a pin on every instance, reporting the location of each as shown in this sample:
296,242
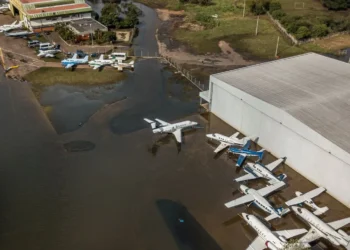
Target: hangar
299,107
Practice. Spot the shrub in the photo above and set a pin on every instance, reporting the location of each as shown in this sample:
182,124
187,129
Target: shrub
303,32
278,14
206,20
274,5
259,7
319,30
335,4
289,20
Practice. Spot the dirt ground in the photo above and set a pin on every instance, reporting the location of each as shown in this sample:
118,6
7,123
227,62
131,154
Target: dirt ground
171,20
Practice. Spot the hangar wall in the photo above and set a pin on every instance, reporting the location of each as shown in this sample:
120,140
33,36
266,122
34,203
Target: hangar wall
307,152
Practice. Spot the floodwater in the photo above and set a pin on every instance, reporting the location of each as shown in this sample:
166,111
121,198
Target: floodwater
151,90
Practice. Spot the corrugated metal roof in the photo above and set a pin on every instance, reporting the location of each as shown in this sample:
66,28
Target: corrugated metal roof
312,88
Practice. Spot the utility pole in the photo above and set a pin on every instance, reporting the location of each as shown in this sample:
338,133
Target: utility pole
92,36
278,40
244,8
257,26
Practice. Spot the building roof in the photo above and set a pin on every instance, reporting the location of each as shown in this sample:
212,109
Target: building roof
83,27
34,1
58,8
312,88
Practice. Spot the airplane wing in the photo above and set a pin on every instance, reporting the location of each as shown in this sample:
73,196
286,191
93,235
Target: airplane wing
239,201
96,67
311,236
257,244
163,123
274,164
339,223
269,189
178,135
69,65
49,55
221,147
234,135
246,177
306,196
240,160
290,233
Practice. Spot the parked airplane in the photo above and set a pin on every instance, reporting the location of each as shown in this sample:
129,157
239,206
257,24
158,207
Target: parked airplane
100,62
258,170
321,229
175,129
23,33
121,66
12,26
274,240
244,152
74,61
228,141
4,8
257,197
306,198
48,53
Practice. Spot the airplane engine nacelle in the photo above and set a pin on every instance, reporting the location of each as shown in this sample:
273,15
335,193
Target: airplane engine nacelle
282,238
244,189
271,246
297,193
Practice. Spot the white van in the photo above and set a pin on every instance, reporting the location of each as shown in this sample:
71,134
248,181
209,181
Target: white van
45,46
119,56
33,43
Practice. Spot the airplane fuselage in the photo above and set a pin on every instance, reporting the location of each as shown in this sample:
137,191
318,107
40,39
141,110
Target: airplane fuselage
101,62
244,152
271,240
259,200
320,226
225,139
259,170
70,61
173,127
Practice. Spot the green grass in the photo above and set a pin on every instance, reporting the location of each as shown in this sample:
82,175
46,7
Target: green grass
45,77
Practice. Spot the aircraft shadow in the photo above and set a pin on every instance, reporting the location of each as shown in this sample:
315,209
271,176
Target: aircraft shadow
163,140
187,232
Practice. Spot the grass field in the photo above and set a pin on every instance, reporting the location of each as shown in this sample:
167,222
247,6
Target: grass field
44,77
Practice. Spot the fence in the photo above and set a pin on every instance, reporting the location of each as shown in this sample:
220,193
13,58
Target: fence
185,73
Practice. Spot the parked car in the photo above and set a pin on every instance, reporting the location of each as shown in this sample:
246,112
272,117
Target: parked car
33,43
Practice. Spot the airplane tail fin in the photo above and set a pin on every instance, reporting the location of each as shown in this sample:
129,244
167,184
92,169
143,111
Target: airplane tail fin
250,138
321,210
75,56
86,58
153,123
247,145
282,211
282,177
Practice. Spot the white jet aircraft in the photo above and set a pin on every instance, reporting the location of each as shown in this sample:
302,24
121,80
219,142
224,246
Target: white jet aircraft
307,199
258,170
274,240
12,26
321,229
228,141
121,66
257,197
175,129
48,53
101,62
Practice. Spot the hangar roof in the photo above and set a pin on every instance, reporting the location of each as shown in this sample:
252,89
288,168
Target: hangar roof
312,88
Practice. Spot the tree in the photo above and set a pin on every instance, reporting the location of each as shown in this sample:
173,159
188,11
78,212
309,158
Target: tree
319,30
278,14
303,32
110,15
335,4
259,7
274,5
294,244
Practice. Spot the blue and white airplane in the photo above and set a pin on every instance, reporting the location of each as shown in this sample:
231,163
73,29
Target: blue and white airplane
74,61
244,152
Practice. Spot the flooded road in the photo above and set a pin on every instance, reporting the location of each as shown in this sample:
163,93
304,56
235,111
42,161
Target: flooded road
151,90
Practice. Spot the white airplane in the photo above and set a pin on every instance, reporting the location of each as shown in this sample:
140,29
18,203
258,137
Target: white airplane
4,7
257,197
175,129
258,170
228,141
121,66
306,198
274,240
74,61
12,26
101,62
48,53
321,229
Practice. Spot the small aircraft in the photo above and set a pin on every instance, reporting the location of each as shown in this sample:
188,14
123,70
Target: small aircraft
48,53
321,229
306,198
244,152
100,62
228,141
121,66
4,8
274,240
257,197
19,34
74,61
175,129
258,170
12,26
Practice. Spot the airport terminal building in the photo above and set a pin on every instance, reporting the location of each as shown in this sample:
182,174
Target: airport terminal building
299,107
42,15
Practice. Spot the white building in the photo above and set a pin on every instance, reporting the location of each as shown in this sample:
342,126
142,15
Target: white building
299,107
